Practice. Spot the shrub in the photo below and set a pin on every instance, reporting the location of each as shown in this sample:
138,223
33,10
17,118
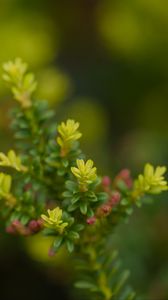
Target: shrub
56,190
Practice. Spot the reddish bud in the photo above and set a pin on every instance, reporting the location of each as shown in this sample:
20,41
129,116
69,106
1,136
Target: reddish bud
106,181
126,177
10,229
115,198
41,223
124,174
20,228
129,182
106,208
16,223
34,226
91,220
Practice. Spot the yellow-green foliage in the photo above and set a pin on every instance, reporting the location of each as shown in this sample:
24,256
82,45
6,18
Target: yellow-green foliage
54,221
5,184
68,134
85,172
23,85
11,160
151,181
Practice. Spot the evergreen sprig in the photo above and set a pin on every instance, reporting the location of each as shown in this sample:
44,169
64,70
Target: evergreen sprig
53,189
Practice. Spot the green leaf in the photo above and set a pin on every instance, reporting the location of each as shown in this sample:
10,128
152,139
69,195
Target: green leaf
129,210
93,199
121,281
90,212
71,185
102,196
46,115
83,208
24,219
124,201
49,232
131,296
75,199
65,163
60,172
90,194
22,134
127,293
72,207
86,285
78,227
15,215
67,194
95,183
57,243
110,258
122,186
70,245
23,124
73,235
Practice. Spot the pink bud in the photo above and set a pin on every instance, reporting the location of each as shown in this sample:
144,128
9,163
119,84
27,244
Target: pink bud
91,220
106,208
125,173
40,222
20,228
34,226
10,229
129,182
16,223
106,181
115,198
126,177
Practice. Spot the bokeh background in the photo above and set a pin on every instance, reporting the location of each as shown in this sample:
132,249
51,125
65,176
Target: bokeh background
105,64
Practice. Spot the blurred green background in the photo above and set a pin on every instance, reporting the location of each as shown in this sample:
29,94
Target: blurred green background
105,64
